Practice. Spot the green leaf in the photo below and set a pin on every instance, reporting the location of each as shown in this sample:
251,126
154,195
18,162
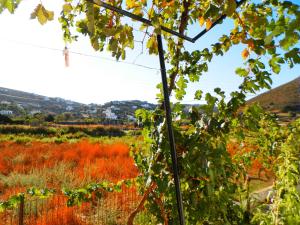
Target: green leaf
293,57
118,188
269,39
211,12
67,8
90,17
230,7
10,5
274,64
198,94
242,72
289,40
181,86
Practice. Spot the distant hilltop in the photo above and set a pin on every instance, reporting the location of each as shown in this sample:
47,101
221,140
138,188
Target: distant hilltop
16,103
283,99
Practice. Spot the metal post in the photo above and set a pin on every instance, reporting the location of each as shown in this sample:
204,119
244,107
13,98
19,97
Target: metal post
21,211
165,85
170,129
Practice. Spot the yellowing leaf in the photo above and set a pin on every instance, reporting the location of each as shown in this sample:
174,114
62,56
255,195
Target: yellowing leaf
43,15
67,8
10,4
250,44
90,17
208,24
131,4
245,53
201,21
166,3
152,45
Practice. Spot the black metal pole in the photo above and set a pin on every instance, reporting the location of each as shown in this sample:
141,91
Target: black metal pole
165,87
138,18
149,23
170,129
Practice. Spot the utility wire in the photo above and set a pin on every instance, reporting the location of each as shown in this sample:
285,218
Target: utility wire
85,54
107,59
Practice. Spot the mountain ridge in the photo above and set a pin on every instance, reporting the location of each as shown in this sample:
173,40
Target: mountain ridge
284,98
17,103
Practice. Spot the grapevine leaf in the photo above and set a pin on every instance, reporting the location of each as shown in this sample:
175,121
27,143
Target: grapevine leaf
242,72
67,8
43,15
198,94
245,53
230,7
201,21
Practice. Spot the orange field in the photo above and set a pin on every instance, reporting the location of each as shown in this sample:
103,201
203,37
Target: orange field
65,164
71,165
255,167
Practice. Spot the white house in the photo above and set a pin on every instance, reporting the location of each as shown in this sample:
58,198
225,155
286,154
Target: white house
69,108
35,112
20,106
5,102
110,115
6,112
92,111
131,118
146,106
35,105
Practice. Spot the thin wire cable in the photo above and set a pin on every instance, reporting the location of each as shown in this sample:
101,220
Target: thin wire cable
85,54
103,58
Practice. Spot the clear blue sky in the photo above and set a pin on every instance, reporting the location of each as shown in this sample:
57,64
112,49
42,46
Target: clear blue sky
31,60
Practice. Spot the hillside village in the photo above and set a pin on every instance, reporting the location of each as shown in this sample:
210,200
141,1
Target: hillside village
19,104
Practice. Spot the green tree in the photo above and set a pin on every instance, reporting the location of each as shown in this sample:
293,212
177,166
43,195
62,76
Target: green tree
5,119
49,118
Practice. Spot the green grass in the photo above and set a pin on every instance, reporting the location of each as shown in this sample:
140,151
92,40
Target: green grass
67,131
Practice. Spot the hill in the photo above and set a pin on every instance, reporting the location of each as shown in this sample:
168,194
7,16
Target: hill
15,103
20,102
283,99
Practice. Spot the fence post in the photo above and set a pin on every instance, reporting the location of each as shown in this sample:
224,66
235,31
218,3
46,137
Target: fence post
21,211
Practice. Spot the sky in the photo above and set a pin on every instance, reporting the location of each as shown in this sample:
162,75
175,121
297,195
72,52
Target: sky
31,60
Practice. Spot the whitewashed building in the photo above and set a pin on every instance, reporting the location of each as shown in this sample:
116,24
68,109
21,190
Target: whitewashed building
131,118
35,112
110,115
6,112
5,102
69,108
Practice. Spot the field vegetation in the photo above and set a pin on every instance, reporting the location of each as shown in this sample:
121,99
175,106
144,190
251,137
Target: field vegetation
32,160
74,163
66,160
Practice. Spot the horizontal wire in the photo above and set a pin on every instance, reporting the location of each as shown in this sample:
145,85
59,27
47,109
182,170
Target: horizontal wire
86,55
101,57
